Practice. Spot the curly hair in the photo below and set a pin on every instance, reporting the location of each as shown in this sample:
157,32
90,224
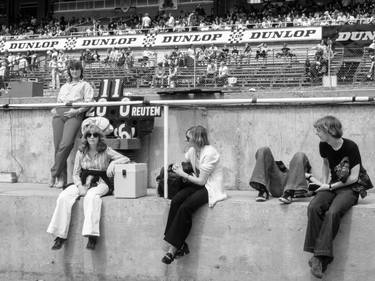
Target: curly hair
101,147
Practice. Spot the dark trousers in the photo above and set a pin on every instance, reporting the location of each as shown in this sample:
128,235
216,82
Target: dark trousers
324,215
183,205
267,173
64,133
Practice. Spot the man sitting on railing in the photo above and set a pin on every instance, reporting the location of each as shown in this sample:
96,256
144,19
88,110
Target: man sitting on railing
285,52
211,73
246,53
262,51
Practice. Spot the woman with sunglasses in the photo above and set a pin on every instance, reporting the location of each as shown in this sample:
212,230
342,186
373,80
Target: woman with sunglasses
66,122
206,186
94,165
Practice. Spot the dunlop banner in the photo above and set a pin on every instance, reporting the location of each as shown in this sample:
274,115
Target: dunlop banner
353,38
235,36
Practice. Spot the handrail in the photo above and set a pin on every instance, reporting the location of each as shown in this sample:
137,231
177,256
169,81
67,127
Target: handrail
201,102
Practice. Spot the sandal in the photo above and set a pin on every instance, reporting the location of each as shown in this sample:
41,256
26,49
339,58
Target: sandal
168,258
184,250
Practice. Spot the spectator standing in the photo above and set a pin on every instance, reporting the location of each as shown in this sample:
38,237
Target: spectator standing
146,22
67,121
159,76
371,52
3,73
172,73
223,74
55,73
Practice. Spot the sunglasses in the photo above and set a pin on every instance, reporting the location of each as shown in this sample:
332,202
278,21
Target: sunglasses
188,138
94,135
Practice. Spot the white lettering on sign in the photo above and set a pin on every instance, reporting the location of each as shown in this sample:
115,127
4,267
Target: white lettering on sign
146,111
356,36
124,109
101,110
165,40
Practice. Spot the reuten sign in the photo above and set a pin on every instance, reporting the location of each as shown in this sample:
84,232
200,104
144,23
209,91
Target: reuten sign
145,111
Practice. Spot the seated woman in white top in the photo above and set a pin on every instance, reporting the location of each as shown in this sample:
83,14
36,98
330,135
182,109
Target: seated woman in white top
206,186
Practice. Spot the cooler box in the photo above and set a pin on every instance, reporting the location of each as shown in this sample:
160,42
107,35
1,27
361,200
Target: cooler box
130,180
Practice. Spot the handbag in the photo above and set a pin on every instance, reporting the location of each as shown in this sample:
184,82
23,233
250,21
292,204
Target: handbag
363,183
175,182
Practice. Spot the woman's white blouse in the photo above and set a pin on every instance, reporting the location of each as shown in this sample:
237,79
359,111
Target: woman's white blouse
209,162
80,91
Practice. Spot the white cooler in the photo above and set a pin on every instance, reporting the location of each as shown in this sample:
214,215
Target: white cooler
130,180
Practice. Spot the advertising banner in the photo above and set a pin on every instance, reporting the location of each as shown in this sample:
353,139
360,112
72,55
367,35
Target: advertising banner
353,38
167,39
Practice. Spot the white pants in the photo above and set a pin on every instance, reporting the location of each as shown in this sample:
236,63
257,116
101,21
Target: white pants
92,203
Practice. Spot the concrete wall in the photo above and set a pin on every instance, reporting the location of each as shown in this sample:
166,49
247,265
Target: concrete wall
237,240
26,140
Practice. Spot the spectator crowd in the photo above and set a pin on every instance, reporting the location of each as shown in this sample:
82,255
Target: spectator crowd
268,15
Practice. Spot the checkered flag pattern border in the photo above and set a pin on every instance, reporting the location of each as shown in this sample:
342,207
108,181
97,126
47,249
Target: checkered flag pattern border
2,45
149,40
70,43
236,36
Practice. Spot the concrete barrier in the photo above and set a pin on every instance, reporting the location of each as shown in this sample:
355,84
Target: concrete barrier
239,239
237,132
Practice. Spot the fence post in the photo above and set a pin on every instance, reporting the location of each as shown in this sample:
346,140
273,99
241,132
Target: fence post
166,129
329,65
195,69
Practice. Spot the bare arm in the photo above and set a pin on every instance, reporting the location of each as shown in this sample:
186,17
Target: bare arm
201,180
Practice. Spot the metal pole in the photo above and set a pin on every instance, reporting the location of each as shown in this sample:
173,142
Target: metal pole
200,102
195,69
166,129
329,66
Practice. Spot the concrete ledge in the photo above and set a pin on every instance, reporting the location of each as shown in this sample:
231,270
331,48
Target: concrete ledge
237,240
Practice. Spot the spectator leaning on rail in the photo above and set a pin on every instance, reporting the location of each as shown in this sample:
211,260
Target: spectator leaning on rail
206,186
67,121
94,165
343,179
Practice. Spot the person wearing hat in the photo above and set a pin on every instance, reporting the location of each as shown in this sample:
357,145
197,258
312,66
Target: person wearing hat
93,167
67,121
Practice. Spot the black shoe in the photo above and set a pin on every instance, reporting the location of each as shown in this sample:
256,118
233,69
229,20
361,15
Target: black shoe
168,258
91,243
287,197
263,195
316,267
184,250
58,243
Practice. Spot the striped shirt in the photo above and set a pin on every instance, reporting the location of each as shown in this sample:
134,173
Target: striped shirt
99,162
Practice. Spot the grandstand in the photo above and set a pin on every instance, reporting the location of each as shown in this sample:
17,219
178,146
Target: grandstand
120,51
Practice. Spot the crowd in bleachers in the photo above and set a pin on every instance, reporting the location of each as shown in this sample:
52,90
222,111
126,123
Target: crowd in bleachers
267,16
